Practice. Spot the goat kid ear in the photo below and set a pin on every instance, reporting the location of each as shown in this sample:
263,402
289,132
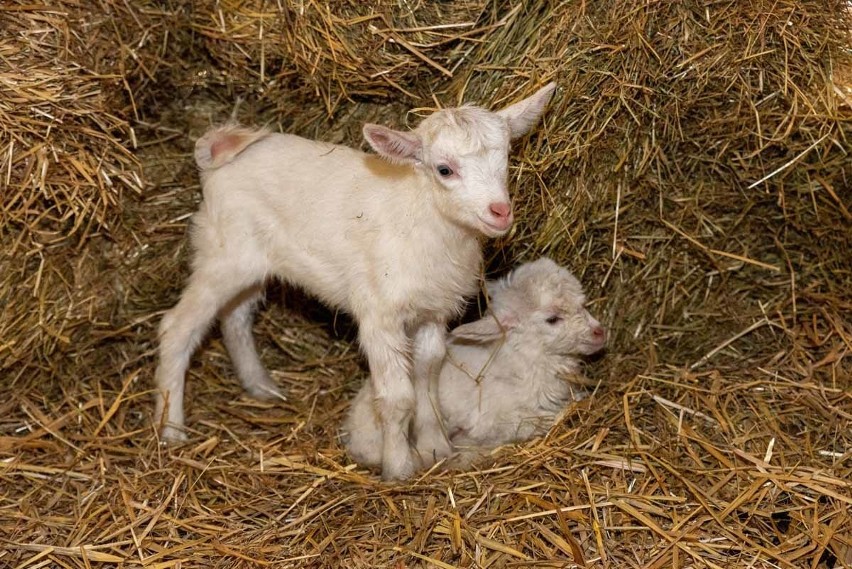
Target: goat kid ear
393,145
486,329
524,114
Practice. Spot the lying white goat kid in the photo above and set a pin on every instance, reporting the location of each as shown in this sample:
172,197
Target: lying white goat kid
504,377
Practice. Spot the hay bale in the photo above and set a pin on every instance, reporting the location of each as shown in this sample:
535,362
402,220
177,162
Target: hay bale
67,158
65,166
720,435
340,51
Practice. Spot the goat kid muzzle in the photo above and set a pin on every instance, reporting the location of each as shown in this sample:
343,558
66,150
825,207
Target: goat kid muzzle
499,216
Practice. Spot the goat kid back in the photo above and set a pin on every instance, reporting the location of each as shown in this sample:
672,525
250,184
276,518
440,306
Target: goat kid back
392,239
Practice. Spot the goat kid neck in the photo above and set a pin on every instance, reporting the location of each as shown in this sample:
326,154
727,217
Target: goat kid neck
442,256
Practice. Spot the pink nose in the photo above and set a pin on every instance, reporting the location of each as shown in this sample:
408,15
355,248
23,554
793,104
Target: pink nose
502,212
599,333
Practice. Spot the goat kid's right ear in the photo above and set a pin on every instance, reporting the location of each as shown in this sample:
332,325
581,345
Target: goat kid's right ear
393,145
524,114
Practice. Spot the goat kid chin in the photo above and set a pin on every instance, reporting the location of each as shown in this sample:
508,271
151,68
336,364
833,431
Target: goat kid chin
392,239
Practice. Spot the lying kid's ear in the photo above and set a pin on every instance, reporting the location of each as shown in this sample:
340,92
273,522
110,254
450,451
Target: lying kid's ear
486,329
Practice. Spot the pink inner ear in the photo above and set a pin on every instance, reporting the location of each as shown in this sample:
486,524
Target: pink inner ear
224,145
401,147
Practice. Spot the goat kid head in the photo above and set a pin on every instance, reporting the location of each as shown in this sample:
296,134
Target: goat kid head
538,304
465,151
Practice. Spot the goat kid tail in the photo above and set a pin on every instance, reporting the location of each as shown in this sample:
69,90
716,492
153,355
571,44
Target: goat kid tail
221,144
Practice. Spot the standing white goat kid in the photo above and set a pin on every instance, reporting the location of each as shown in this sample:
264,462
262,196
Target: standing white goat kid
504,377
393,240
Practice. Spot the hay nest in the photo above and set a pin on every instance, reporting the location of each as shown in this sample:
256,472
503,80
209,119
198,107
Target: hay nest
694,170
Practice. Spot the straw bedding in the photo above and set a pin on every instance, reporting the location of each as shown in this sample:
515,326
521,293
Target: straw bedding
693,170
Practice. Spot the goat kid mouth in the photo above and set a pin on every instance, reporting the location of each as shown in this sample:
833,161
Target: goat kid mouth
493,230
593,346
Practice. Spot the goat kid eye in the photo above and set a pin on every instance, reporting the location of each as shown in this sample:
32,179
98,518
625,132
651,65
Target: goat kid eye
444,170
553,319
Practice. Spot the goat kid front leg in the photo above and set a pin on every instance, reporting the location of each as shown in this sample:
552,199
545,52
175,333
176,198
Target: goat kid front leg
429,352
388,356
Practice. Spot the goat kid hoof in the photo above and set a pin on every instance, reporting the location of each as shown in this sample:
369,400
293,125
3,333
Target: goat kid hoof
265,392
173,436
433,449
396,476
399,472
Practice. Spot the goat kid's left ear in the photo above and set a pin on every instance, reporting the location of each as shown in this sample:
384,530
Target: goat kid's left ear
394,145
524,114
486,329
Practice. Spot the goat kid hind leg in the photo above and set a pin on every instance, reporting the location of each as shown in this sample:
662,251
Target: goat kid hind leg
429,352
236,322
181,331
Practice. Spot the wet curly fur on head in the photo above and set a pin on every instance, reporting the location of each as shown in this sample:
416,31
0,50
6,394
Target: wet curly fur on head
538,284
